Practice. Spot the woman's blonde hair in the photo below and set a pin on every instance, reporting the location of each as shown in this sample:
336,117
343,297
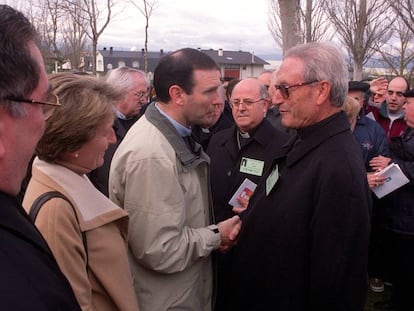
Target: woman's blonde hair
86,103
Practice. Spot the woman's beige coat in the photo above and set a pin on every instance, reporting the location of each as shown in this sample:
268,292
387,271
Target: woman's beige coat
106,282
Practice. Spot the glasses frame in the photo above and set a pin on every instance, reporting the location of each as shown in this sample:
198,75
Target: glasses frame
33,101
47,113
250,104
284,88
141,94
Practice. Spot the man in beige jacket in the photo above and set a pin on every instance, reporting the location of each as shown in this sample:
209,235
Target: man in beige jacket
161,178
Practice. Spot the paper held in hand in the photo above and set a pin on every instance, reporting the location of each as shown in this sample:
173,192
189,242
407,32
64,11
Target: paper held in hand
394,179
245,190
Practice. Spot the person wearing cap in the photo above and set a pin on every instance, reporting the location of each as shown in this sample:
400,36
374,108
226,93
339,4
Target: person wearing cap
373,142
370,135
397,214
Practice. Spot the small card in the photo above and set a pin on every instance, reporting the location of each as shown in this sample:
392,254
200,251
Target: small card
251,166
245,190
272,179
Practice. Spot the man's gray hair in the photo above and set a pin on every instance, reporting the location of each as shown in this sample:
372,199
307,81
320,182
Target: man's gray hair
121,77
324,61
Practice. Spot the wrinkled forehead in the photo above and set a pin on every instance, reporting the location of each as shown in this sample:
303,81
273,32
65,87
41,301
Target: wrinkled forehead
291,70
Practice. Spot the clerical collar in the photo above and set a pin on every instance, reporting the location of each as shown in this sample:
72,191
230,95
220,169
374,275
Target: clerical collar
244,135
182,130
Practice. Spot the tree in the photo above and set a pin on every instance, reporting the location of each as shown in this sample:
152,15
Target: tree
146,11
74,35
92,18
399,54
313,24
361,27
284,23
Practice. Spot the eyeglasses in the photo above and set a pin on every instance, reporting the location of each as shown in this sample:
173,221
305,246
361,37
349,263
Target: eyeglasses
284,89
47,107
246,102
141,94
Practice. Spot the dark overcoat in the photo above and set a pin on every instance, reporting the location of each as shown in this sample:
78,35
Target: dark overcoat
30,278
304,238
225,170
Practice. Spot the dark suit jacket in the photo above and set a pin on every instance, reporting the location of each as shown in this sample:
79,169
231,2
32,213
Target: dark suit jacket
100,176
30,278
226,158
304,243
203,138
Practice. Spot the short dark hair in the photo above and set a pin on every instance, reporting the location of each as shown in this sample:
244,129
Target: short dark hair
19,71
177,68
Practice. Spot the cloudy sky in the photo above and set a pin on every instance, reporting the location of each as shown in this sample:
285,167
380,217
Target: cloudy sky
206,24
226,24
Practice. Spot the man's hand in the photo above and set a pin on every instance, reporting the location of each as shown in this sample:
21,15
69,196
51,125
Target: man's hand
229,229
375,180
378,85
378,163
243,201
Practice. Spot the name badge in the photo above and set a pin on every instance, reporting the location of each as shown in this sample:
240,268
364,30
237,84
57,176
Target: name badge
251,166
272,180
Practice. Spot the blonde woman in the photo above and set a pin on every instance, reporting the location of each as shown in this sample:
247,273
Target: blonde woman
86,232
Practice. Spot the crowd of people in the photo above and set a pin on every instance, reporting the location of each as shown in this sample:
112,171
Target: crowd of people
252,194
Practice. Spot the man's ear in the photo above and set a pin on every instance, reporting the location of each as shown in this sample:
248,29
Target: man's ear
176,94
324,89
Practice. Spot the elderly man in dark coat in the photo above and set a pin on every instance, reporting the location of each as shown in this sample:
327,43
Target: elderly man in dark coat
304,240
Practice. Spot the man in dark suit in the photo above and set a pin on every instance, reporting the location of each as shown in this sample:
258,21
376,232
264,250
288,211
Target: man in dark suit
304,239
245,150
135,84
218,122
30,277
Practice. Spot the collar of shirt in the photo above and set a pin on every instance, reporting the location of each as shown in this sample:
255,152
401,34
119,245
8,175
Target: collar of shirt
182,130
119,114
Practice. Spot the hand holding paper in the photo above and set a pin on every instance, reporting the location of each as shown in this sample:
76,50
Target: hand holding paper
394,179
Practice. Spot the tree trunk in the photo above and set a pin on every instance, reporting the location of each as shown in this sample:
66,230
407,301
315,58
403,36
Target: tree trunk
290,20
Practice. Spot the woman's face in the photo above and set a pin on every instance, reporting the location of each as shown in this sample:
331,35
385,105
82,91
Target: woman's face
91,155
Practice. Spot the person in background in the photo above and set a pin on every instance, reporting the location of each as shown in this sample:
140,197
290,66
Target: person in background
87,232
304,239
352,108
245,150
370,135
375,94
30,277
217,122
390,114
273,114
160,176
135,86
229,89
396,213
372,140
264,77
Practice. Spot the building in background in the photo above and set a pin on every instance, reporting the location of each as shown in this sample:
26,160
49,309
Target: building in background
235,64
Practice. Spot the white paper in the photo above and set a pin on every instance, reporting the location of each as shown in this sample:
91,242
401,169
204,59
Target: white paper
394,179
246,189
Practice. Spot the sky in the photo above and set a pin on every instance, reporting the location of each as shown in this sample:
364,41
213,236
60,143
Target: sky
206,24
